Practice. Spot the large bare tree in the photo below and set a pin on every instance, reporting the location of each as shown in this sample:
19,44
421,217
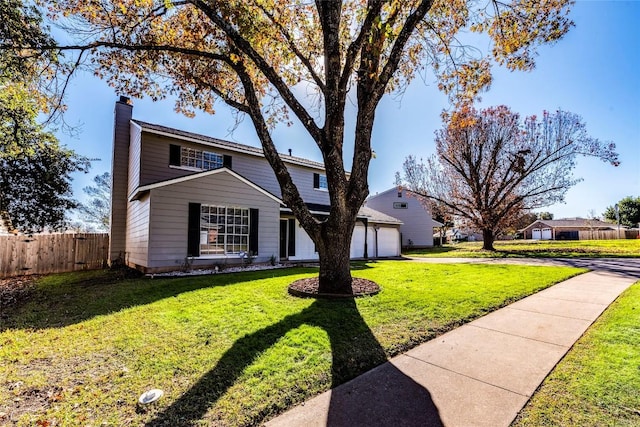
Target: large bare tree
490,166
253,54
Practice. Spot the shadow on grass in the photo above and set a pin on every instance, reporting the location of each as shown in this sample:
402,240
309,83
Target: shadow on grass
386,393
66,299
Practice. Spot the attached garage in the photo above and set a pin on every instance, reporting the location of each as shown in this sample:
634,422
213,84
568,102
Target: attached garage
564,229
536,234
541,234
388,242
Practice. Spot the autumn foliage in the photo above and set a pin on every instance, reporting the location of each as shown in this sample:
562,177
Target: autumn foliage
491,166
279,61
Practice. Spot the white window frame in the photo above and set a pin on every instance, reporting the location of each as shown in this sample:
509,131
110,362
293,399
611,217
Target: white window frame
323,184
224,230
194,159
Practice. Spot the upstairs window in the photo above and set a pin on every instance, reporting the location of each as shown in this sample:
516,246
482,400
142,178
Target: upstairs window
199,159
320,182
195,159
400,205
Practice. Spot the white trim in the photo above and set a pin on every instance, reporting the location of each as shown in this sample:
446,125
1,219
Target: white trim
135,194
187,168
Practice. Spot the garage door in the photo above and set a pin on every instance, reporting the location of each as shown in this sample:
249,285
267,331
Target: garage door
546,234
536,234
357,242
388,242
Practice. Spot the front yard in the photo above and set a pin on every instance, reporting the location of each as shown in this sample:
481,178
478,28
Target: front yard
598,382
232,349
536,249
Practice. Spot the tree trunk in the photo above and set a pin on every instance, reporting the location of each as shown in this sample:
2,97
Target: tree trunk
334,250
487,240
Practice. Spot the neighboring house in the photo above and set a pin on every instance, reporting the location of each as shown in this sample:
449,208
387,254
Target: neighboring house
179,197
417,223
562,229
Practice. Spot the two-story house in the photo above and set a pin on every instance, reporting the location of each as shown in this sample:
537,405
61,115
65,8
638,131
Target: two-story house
180,196
417,224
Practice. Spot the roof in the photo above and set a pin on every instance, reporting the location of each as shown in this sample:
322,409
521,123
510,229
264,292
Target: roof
395,188
143,189
367,213
373,215
220,143
572,222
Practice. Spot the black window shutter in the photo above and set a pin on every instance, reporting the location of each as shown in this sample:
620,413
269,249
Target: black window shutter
316,180
226,161
174,155
291,244
253,231
193,233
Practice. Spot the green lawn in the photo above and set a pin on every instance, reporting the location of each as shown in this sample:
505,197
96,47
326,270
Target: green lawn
232,349
538,249
598,382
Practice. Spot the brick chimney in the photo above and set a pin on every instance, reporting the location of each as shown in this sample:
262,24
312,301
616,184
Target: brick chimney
119,179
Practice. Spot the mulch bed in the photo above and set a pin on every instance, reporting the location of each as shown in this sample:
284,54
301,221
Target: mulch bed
308,288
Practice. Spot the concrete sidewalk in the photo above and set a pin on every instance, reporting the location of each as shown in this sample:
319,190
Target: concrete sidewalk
480,374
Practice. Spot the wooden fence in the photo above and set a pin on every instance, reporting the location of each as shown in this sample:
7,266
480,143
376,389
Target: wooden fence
52,253
607,234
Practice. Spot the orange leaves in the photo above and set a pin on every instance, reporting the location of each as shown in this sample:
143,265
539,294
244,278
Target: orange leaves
518,28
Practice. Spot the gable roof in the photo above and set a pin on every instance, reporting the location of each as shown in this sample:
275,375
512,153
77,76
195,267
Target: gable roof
145,188
220,143
395,188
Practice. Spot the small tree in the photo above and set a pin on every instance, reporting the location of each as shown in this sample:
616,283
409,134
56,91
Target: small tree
628,211
98,209
544,215
490,166
35,171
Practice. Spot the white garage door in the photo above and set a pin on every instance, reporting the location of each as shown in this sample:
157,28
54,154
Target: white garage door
536,234
388,242
357,242
546,234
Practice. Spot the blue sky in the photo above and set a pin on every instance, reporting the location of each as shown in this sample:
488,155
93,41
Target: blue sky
593,71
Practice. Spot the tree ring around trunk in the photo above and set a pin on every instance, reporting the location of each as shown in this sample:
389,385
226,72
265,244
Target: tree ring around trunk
308,288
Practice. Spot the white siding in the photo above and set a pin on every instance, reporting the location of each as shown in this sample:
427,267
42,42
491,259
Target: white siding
417,222
169,217
305,248
137,238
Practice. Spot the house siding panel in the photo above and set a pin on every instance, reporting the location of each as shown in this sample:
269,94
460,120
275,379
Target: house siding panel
169,217
156,168
137,240
417,222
